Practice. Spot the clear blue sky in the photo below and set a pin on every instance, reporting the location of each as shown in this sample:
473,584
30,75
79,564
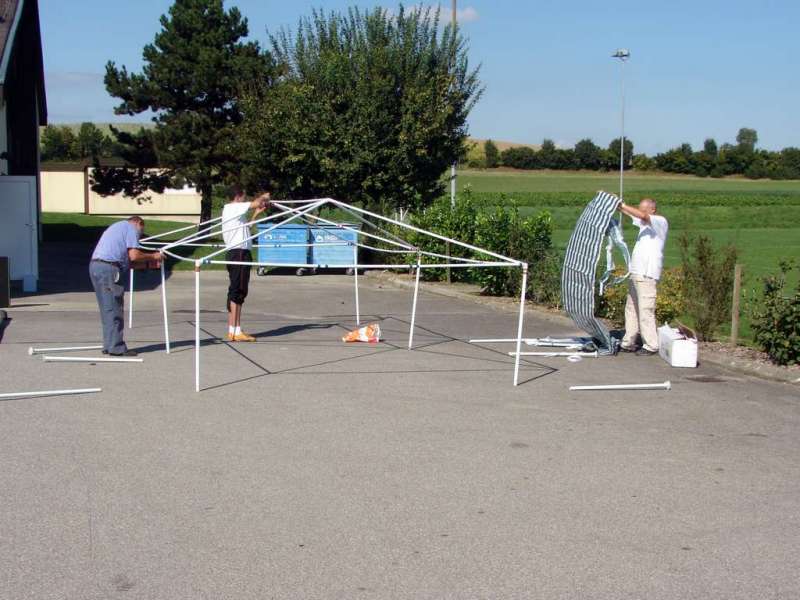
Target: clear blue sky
699,68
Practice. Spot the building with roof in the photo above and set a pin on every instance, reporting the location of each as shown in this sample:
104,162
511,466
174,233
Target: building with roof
23,109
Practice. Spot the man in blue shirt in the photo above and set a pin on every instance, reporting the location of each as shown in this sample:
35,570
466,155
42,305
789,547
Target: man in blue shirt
118,246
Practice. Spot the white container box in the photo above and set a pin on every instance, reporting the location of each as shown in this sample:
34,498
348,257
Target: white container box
676,348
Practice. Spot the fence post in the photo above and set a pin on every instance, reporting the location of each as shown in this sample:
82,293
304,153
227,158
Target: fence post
737,292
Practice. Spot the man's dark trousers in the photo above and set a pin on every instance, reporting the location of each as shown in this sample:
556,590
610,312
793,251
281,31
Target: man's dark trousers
105,280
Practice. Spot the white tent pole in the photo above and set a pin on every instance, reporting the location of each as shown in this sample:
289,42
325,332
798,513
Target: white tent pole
91,359
414,307
626,386
355,278
197,326
164,303
130,301
404,245
295,214
186,228
32,350
205,233
430,233
50,393
521,318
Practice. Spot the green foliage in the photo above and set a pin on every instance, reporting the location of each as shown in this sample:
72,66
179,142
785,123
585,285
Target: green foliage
747,139
612,155
502,230
58,143
670,299
642,162
519,157
370,107
191,80
491,153
708,282
456,222
588,155
775,318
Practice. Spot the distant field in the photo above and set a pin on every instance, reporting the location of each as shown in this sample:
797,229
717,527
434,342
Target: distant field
502,180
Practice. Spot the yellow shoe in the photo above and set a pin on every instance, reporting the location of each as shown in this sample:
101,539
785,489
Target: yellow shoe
243,337
230,338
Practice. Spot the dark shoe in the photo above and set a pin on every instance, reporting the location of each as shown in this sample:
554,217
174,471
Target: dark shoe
126,353
630,349
645,352
105,351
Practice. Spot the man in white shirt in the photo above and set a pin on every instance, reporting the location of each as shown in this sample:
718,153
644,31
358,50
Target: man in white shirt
645,268
236,234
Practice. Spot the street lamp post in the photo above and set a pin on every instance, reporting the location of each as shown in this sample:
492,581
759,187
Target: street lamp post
453,167
623,55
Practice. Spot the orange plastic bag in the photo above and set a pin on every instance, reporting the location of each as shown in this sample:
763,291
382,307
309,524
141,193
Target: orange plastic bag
369,333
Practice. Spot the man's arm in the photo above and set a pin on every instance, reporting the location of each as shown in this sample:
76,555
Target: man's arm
136,255
261,203
634,212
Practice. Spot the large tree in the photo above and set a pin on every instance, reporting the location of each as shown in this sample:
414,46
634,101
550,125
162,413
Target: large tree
191,81
370,107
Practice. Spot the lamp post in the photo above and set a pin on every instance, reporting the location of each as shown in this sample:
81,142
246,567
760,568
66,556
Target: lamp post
623,54
453,167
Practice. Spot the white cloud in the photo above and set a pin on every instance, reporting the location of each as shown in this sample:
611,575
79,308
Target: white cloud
466,15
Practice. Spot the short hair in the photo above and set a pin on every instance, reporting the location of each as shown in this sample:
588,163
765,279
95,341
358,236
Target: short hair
234,190
651,201
136,219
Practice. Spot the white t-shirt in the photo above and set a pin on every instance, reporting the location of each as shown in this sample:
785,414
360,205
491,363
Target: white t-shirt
235,232
648,253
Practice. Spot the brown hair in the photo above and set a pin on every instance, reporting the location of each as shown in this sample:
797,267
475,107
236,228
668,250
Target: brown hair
136,219
233,191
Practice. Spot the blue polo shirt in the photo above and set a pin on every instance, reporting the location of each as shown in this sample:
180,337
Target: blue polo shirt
115,241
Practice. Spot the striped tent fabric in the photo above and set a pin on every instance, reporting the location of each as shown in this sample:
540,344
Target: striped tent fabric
580,267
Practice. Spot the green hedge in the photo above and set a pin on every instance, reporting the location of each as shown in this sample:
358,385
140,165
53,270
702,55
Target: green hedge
502,230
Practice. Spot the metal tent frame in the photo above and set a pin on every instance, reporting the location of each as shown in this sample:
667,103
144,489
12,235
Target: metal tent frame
301,210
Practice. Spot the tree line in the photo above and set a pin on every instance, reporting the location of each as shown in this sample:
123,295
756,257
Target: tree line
742,158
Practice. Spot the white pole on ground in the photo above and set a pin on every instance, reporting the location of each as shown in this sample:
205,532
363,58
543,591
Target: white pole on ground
414,307
49,393
554,354
520,322
355,277
130,301
90,359
32,351
627,386
197,326
164,303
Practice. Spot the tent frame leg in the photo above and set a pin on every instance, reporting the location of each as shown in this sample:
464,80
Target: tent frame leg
520,322
414,307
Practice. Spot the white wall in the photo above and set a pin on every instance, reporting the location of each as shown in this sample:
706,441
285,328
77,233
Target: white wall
63,191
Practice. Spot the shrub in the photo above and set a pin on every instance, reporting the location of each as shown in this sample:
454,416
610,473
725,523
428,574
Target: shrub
492,154
775,318
670,301
502,230
454,222
707,282
544,279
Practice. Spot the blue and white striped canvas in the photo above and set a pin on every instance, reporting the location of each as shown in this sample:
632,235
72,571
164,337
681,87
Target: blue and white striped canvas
580,268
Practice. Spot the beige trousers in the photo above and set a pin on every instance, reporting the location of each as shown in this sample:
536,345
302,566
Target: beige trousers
640,313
